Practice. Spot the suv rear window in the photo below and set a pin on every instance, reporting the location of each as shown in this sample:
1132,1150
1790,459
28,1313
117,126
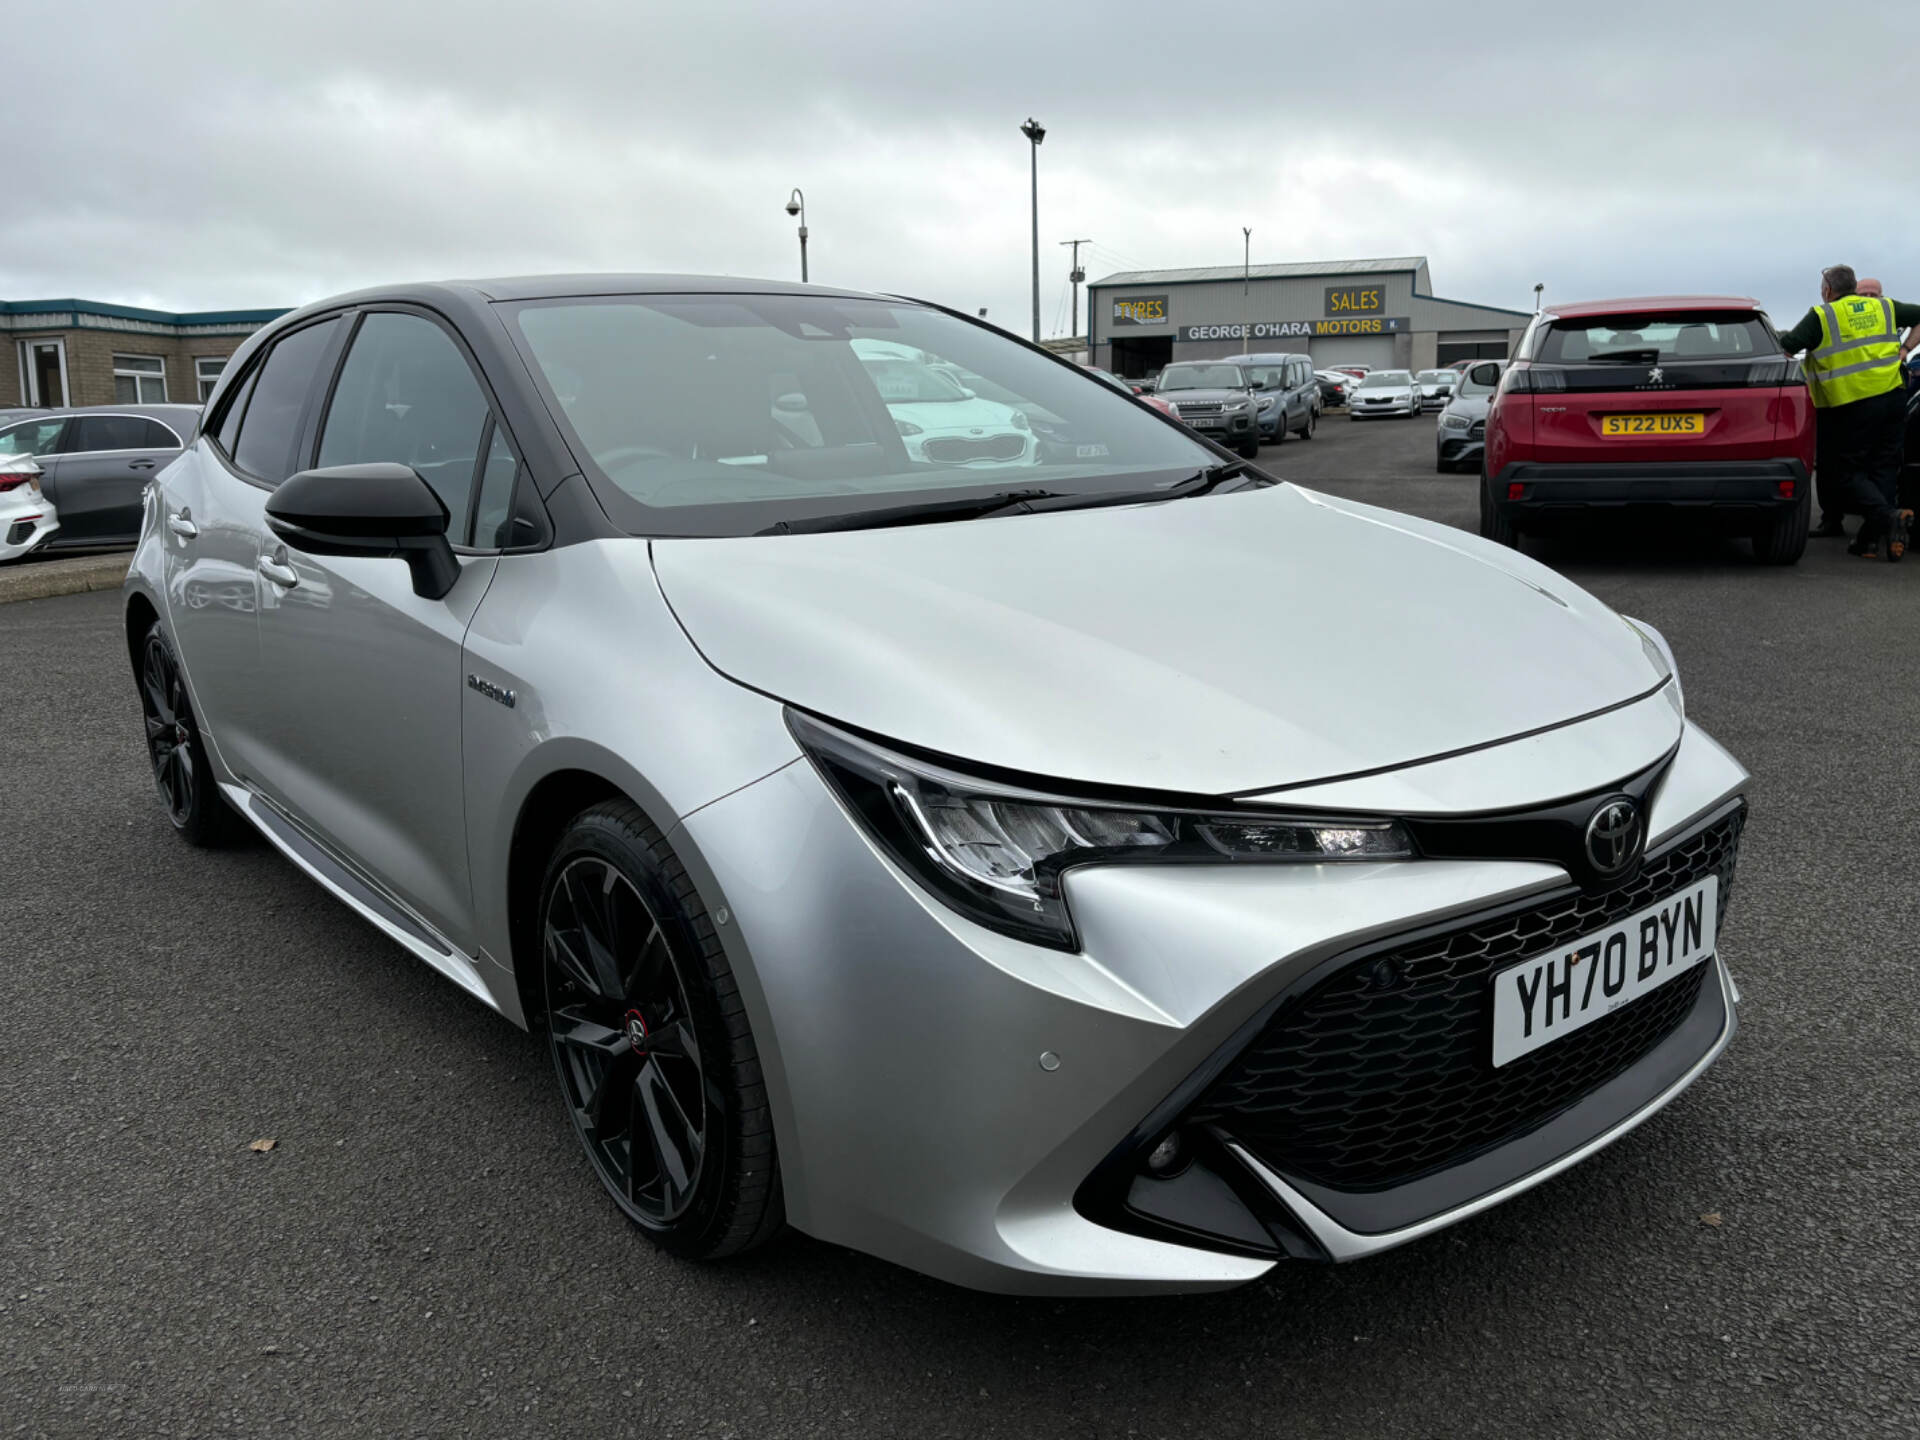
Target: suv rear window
1656,339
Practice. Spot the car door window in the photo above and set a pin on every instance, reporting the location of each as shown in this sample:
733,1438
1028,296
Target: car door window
107,432
155,436
228,427
31,437
407,396
277,409
493,514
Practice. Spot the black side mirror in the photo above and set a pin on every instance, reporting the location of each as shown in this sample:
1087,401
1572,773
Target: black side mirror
1488,375
374,510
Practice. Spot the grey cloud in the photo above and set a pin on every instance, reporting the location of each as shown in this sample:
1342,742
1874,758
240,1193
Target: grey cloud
222,154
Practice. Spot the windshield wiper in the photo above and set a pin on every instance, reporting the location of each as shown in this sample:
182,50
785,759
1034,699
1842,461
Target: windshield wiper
971,508
1201,482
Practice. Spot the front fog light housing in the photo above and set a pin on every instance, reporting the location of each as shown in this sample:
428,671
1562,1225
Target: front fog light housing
998,853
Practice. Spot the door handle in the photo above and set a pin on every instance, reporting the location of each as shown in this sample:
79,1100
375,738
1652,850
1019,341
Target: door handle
182,523
140,464
279,572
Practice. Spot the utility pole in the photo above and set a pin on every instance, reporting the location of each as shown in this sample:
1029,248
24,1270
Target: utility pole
1035,132
1246,285
1074,276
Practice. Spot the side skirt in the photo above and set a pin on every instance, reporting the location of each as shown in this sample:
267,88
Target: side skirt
360,894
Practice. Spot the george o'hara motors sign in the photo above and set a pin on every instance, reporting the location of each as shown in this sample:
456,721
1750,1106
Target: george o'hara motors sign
1300,329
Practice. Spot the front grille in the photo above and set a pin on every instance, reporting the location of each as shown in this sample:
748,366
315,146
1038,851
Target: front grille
1200,407
957,449
1361,1087
1477,430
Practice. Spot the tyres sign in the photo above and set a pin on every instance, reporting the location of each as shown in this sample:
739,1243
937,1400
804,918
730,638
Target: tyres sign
1140,310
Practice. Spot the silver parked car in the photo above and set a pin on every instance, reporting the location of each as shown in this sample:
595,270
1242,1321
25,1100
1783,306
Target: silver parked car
1037,881
1384,392
1460,435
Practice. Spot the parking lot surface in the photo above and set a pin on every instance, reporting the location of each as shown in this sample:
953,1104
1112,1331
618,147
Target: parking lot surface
423,1251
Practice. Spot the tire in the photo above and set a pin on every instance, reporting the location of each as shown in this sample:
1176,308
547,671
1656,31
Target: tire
1784,539
1494,525
1441,467
1250,449
1306,430
181,772
677,1129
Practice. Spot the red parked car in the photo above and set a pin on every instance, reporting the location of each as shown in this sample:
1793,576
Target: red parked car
1680,401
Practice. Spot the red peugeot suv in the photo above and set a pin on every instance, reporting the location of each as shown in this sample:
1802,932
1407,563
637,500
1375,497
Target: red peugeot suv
1682,401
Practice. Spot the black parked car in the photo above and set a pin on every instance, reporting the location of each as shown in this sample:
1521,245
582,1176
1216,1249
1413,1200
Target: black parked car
96,461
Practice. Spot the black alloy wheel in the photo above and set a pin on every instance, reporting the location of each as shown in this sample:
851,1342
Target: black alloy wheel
655,1062
180,770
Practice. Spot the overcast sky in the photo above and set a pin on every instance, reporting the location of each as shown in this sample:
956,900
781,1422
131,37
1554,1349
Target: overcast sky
214,155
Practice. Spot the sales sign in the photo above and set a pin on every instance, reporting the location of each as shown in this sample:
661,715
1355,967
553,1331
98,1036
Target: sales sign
1356,299
1140,310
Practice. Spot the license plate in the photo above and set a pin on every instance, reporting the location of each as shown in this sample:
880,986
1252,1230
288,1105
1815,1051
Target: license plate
1206,422
1666,422
1550,996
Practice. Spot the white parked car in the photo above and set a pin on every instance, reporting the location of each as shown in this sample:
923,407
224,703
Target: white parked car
1436,387
941,420
1385,392
27,516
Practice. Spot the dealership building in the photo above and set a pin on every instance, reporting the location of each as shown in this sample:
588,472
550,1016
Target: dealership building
84,352
1381,313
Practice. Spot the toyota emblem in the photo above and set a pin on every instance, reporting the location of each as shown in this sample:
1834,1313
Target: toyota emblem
1613,836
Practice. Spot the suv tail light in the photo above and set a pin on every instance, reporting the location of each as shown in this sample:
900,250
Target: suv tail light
13,482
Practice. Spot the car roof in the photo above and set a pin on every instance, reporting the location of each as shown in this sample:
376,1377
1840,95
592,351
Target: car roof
164,411
1265,357
1651,305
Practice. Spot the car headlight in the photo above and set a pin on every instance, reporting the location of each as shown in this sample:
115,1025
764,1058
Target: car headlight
906,427
1020,421
1661,653
1452,421
1268,403
1236,402
998,853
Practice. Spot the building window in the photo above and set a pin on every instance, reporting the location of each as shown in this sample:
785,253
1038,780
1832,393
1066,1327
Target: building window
139,380
206,373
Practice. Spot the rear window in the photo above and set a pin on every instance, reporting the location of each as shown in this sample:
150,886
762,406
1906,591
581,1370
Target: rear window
1656,339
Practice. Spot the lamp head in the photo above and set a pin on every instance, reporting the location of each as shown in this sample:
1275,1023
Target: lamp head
1034,130
793,207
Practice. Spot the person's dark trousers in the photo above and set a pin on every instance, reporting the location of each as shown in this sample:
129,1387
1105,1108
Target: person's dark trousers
1866,443
1826,479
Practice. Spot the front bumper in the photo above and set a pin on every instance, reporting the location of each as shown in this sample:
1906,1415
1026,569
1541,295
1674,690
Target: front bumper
1459,447
944,1094
1365,409
1733,485
1226,426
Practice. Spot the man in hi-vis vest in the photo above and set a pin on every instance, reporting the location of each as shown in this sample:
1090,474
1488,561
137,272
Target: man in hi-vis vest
1852,364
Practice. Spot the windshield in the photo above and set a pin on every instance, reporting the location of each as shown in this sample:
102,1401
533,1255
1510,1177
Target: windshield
1202,377
1386,379
713,414
1656,339
1437,377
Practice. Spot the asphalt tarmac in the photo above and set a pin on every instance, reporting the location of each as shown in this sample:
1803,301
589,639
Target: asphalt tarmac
423,1252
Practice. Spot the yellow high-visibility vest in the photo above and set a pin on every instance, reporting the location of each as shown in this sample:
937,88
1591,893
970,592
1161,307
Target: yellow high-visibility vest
1859,352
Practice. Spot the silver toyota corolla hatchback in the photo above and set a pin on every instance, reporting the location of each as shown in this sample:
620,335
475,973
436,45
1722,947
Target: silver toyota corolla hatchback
1043,852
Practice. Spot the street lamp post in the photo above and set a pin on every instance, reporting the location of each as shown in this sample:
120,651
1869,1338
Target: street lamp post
1246,283
797,205
1538,290
1035,132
